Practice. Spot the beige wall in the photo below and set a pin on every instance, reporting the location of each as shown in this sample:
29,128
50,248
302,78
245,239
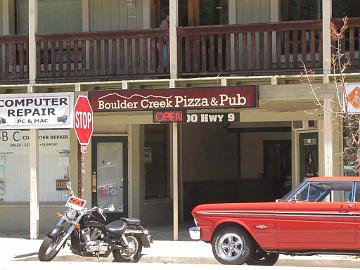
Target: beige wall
16,218
252,154
210,152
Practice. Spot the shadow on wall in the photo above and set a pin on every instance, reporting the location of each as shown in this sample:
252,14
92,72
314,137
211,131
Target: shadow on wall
222,191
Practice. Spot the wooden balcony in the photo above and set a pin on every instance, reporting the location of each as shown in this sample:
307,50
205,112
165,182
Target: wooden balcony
254,49
14,58
275,48
102,55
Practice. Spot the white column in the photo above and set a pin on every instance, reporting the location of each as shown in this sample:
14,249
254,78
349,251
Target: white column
85,16
326,14
34,180
232,20
175,173
328,119
173,23
33,8
5,17
175,177
274,17
232,11
146,14
328,138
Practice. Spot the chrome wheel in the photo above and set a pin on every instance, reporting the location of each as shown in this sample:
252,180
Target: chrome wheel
230,246
129,252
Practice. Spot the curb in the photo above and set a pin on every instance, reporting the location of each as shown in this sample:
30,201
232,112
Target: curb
315,262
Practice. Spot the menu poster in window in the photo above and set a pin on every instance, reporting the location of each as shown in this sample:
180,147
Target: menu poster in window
147,154
2,190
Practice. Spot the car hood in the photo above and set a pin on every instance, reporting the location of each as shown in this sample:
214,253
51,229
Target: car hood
216,208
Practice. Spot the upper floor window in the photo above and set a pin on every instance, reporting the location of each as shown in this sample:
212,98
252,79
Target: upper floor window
297,10
342,8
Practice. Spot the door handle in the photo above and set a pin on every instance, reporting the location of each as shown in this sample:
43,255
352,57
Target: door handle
93,180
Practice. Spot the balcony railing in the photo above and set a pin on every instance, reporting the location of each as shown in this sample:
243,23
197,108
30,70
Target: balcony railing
129,54
271,48
255,48
14,58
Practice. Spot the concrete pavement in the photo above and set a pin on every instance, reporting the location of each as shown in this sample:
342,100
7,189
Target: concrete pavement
19,249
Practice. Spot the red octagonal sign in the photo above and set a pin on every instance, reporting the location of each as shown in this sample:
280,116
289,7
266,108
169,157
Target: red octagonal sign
83,120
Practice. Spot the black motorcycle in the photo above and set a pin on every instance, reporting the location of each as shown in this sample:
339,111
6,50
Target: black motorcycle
91,235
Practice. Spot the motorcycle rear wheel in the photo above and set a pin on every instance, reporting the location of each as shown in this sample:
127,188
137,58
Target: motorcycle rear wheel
130,254
47,250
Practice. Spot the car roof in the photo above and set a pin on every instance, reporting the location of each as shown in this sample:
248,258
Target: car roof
334,178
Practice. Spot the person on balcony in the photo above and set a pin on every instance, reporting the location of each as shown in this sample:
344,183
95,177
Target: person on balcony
164,25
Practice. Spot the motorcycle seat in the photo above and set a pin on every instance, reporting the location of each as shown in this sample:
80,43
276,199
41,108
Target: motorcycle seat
131,221
116,227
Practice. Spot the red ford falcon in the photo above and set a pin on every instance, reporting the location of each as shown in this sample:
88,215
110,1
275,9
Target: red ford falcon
320,216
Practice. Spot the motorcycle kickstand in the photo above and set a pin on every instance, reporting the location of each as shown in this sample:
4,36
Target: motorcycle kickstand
97,256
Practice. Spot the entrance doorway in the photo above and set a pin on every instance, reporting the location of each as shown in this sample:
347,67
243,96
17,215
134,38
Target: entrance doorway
277,168
195,12
110,174
309,153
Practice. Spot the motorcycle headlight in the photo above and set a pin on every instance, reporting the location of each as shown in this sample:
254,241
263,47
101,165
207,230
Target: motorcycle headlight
71,214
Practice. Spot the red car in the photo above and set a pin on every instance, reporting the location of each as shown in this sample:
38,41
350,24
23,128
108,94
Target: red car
320,216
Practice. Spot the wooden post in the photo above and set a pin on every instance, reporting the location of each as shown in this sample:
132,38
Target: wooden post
173,23
326,14
328,117
34,145
33,11
34,180
328,138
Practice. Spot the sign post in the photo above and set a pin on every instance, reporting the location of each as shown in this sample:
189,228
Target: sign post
83,125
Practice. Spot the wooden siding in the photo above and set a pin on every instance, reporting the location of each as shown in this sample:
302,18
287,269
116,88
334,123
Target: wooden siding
14,58
112,15
54,16
252,11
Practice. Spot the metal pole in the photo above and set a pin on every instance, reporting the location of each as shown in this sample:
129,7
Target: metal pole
82,171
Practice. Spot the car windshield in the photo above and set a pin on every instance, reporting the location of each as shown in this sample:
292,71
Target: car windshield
289,195
322,191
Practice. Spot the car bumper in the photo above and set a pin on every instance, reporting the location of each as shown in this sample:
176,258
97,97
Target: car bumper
194,233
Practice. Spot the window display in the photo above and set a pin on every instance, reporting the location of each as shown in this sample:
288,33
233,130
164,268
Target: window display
54,152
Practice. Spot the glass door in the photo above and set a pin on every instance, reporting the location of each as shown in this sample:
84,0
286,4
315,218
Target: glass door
109,173
309,155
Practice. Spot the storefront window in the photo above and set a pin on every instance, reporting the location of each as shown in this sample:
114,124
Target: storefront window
156,159
342,8
54,151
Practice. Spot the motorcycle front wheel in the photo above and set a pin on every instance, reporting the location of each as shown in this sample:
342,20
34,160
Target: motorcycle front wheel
131,253
47,250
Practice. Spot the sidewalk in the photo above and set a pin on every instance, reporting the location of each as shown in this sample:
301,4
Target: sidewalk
16,248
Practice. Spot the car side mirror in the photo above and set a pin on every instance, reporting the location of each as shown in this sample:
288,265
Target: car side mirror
293,200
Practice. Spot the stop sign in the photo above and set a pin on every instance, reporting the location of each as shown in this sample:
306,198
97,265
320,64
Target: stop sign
83,120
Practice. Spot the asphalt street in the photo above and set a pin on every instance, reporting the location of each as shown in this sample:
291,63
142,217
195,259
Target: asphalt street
141,266
16,253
